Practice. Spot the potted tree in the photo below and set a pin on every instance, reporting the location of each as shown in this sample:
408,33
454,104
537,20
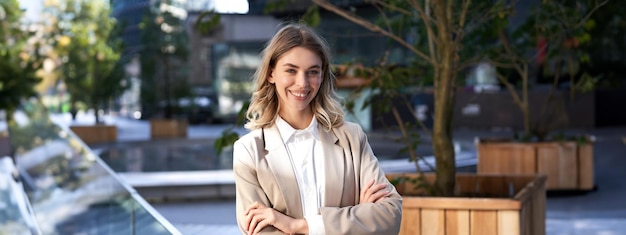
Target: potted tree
19,61
438,36
164,70
88,57
568,162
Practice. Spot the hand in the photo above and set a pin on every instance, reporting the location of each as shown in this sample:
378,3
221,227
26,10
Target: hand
372,193
259,216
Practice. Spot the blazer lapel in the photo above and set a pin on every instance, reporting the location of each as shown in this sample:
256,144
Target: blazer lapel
280,165
334,164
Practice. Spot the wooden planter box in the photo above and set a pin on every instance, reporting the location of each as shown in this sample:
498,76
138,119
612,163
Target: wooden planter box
95,134
346,77
568,165
523,213
168,128
352,82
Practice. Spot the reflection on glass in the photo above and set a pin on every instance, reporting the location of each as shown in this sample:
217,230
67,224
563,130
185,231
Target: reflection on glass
144,222
70,189
16,216
191,157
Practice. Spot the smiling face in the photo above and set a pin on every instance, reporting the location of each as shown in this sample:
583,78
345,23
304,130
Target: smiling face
297,77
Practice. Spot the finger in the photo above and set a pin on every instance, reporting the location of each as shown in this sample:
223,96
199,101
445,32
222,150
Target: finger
375,189
262,224
379,195
252,206
384,196
247,221
251,219
254,223
375,192
364,190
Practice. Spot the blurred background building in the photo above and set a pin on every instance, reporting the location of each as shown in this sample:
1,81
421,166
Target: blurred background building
220,62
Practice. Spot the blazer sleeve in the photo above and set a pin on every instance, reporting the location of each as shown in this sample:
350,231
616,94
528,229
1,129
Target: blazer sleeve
248,189
382,217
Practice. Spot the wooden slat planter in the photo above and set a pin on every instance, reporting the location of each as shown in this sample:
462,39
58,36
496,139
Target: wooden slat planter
568,165
168,128
352,82
523,213
346,77
95,134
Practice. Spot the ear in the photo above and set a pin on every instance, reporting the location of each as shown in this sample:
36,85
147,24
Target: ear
270,78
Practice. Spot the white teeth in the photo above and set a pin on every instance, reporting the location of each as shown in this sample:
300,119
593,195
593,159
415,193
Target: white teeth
301,95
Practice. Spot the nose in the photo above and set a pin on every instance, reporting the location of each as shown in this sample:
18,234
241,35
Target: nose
302,80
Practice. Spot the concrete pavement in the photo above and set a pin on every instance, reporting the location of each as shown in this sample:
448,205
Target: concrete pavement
601,212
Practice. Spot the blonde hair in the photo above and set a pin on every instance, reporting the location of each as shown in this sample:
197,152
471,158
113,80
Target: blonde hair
264,104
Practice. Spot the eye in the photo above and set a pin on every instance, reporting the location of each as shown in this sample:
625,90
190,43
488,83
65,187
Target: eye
313,72
290,71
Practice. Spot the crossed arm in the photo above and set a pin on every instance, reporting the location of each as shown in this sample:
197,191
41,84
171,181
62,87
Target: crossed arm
258,216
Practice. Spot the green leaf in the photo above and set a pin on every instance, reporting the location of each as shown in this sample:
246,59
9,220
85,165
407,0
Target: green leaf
590,24
207,26
584,58
226,139
312,16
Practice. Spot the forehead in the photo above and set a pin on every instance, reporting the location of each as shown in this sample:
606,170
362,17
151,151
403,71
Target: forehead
300,56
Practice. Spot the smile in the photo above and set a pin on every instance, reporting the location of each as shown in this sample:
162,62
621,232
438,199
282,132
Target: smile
299,94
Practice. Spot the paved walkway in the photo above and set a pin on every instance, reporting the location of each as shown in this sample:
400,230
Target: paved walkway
602,212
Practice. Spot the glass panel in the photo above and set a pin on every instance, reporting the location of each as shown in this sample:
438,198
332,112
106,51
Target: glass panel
145,222
71,190
15,213
196,156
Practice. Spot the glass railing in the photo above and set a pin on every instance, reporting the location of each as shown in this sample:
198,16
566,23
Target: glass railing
69,188
16,216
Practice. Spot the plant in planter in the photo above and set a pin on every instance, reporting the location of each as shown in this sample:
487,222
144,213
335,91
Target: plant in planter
481,204
164,69
559,30
19,60
87,55
443,35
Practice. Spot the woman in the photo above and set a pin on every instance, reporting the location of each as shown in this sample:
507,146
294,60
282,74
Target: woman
302,168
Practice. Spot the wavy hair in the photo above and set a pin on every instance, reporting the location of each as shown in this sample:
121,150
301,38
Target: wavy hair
264,104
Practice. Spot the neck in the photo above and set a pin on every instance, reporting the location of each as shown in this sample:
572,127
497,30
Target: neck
298,120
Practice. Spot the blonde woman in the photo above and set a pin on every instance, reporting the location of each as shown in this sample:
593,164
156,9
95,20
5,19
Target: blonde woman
302,169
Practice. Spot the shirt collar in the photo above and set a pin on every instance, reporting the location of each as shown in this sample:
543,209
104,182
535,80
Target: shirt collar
287,131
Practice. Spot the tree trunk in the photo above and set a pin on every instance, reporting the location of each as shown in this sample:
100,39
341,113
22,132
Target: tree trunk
95,99
73,110
445,76
167,88
442,137
95,112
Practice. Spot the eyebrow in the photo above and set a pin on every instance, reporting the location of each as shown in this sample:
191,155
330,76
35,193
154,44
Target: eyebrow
295,66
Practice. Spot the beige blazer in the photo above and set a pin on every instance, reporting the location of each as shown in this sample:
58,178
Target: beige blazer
263,173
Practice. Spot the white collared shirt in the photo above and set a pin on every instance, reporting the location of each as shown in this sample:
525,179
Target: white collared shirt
307,160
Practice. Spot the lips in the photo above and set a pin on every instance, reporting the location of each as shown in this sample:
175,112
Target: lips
300,94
